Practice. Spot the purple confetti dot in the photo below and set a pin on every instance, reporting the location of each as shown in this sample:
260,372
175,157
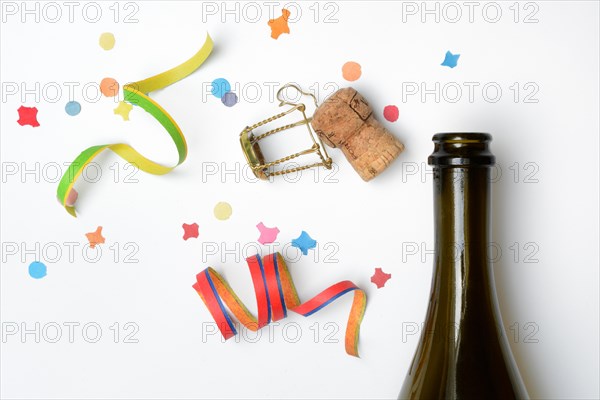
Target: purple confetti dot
229,99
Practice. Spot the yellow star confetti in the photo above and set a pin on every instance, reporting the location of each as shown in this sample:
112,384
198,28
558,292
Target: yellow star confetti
123,110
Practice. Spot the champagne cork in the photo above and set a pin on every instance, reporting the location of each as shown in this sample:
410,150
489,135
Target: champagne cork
346,121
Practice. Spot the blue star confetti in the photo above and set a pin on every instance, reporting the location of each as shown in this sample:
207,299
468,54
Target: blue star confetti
304,242
450,60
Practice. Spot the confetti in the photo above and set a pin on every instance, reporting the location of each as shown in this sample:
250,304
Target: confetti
28,116
109,87
190,231
379,278
95,237
136,93
219,87
351,71
267,235
73,108
37,270
304,242
123,110
72,197
230,99
222,211
391,113
275,295
107,41
450,60
280,25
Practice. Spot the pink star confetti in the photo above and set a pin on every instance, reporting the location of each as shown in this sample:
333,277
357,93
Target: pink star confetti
267,235
28,116
190,231
379,278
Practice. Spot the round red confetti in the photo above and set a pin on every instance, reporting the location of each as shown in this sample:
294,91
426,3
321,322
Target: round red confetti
391,113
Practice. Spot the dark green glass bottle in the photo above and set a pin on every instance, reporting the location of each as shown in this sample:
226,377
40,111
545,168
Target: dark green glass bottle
463,352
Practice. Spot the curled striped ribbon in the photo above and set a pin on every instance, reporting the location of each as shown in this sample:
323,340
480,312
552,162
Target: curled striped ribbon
275,295
136,94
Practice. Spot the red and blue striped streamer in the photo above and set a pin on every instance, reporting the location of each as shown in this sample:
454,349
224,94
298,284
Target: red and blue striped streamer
275,295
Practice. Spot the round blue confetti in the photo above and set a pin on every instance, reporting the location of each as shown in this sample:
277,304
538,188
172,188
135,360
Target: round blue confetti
229,99
220,86
73,108
37,270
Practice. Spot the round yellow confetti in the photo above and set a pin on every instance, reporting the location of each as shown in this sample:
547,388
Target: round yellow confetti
223,211
351,71
107,41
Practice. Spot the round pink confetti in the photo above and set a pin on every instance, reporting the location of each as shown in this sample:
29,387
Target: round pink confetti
391,113
72,198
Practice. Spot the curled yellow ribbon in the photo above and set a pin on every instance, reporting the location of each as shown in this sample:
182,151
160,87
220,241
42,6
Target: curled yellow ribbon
136,94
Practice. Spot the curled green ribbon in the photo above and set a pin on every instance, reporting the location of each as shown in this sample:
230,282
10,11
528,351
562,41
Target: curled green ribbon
136,94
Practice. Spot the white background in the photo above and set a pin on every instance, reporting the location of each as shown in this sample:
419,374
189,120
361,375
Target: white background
549,210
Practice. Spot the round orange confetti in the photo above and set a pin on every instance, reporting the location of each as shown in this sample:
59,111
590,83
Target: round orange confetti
109,87
351,71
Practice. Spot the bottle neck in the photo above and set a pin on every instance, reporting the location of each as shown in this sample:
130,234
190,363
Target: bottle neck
462,163
462,270
462,214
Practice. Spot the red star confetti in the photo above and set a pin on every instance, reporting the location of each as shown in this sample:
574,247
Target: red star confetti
280,25
28,116
379,278
267,235
190,231
95,237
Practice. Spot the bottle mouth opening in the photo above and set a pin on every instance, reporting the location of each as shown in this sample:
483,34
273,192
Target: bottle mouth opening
462,137
458,149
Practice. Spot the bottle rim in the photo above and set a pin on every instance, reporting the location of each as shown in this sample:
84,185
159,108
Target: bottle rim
462,149
462,137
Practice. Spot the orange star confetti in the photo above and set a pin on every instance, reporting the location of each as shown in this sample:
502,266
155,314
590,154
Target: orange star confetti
379,278
95,237
280,25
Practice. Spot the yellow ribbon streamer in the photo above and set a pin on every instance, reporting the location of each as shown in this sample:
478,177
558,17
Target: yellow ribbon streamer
136,94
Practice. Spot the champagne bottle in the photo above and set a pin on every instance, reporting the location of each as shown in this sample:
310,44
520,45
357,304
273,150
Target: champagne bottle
463,352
